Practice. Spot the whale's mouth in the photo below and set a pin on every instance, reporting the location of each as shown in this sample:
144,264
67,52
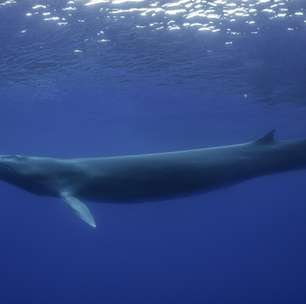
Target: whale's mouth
6,169
9,165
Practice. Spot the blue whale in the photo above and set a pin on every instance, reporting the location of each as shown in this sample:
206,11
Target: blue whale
145,177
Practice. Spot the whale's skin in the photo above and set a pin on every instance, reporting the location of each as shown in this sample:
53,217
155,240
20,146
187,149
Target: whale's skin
153,177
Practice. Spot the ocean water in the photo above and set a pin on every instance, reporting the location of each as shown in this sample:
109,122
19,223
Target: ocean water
113,77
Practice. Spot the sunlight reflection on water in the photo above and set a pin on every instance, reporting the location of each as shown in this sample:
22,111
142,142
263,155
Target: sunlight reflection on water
201,15
225,43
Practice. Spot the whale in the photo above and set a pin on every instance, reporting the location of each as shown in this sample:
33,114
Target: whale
150,177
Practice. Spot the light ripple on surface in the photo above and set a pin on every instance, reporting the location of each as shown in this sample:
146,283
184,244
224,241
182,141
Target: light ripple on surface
184,41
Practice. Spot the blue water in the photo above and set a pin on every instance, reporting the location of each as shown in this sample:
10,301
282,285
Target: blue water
120,77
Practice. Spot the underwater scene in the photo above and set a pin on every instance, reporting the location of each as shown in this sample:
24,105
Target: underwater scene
153,151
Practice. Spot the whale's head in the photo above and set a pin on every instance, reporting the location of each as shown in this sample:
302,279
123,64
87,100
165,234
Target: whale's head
12,165
30,173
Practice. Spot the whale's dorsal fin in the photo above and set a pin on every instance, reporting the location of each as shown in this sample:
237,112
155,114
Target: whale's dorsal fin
267,139
79,208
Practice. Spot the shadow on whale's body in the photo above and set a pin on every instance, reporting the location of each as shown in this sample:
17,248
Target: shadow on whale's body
144,177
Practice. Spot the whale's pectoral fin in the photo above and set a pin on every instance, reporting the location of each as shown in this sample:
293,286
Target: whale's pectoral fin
80,209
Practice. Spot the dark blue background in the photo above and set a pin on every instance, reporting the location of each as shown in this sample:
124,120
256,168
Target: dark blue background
237,245
244,244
